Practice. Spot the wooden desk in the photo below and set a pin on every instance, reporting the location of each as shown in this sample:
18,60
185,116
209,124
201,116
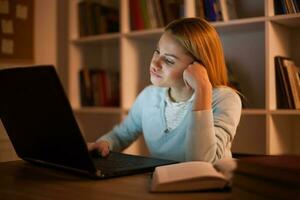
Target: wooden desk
21,180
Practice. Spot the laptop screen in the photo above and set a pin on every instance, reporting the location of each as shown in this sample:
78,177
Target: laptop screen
38,118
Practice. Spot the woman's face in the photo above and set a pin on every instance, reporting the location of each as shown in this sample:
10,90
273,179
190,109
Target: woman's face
169,61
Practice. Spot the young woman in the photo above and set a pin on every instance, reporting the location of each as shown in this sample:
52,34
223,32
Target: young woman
189,113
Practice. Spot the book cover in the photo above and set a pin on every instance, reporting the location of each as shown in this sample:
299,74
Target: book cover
292,76
282,78
152,15
266,187
284,168
85,18
200,9
278,7
192,175
136,18
281,95
158,13
228,9
86,92
145,15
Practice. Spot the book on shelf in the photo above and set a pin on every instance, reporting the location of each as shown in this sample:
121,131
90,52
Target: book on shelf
99,87
95,18
84,18
228,10
287,83
171,10
293,76
200,9
267,177
192,176
152,14
136,18
282,98
146,14
212,10
286,6
216,10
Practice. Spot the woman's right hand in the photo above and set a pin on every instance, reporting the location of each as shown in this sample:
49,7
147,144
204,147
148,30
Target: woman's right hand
101,146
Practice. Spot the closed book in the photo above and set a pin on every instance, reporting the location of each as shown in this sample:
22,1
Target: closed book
266,187
145,15
292,76
136,18
210,11
281,91
85,18
278,7
200,12
228,9
284,168
86,91
152,15
192,175
283,75
159,13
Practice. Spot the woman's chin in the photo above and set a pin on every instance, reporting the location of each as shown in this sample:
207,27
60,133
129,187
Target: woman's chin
156,82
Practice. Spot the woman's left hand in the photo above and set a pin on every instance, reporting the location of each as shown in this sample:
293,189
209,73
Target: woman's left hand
195,76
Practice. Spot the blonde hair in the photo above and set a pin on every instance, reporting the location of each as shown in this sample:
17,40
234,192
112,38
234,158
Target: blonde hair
201,40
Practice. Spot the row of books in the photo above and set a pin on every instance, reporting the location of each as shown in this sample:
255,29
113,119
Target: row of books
216,10
99,87
286,6
96,17
267,177
287,83
148,14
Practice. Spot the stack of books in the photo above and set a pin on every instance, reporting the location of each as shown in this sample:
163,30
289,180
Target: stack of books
287,83
267,177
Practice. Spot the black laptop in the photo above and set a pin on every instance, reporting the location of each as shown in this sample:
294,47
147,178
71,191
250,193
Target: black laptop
40,123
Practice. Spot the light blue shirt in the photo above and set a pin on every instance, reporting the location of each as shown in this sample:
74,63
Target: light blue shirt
201,135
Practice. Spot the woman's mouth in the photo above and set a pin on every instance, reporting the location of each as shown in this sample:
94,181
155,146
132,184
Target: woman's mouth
152,73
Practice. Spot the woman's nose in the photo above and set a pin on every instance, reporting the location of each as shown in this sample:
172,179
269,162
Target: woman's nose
156,63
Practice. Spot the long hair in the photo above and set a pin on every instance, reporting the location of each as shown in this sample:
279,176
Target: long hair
202,42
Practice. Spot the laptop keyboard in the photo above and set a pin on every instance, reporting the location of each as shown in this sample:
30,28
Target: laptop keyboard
120,161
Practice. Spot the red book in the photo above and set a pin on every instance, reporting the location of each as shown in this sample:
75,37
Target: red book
136,17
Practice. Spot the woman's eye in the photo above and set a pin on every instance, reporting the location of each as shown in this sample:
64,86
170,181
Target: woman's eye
156,51
169,62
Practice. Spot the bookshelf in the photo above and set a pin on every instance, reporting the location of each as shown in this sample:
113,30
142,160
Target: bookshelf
250,43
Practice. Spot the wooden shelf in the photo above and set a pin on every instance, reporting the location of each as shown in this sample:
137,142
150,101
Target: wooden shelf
254,112
99,110
97,38
291,20
285,112
250,44
144,33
